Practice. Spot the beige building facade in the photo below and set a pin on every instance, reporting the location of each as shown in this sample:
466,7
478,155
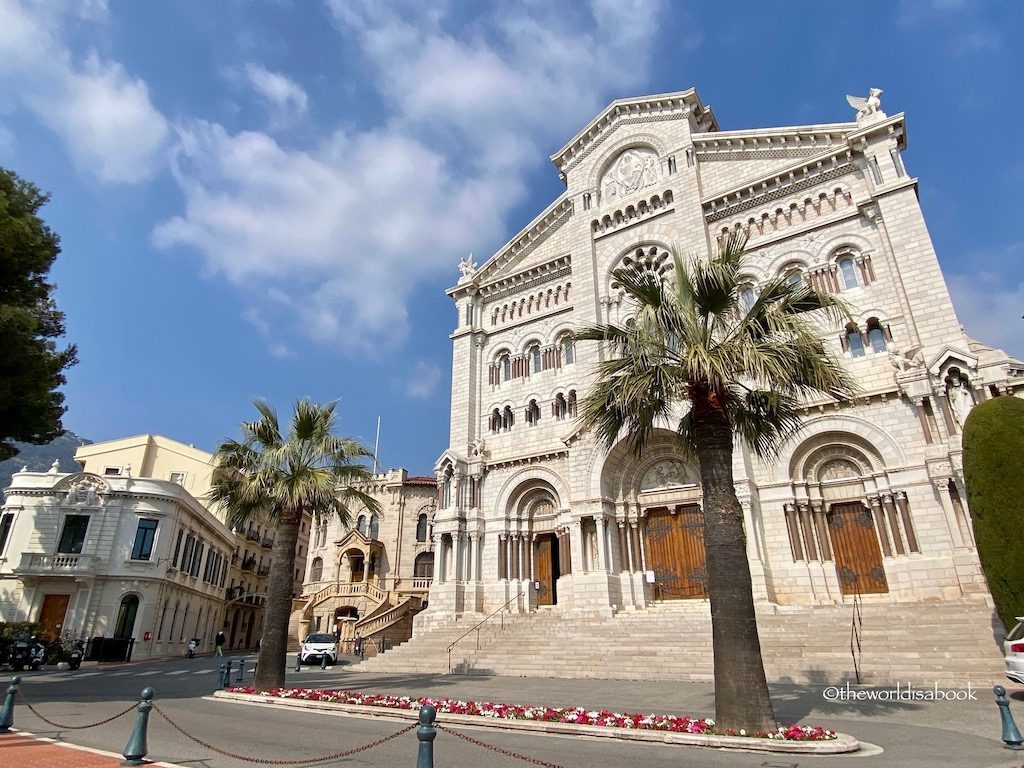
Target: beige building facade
867,500
368,578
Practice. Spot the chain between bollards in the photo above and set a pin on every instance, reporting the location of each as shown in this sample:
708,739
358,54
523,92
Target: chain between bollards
7,712
1011,734
426,733
136,749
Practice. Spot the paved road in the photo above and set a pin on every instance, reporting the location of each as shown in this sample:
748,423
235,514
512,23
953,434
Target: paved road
910,734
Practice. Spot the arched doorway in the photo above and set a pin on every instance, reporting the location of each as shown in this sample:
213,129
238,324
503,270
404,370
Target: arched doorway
125,625
675,551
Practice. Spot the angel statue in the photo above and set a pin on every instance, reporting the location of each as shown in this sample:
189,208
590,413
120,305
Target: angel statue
467,266
866,106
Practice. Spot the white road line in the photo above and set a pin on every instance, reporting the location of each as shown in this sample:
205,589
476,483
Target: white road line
79,675
179,672
147,674
203,671
119,674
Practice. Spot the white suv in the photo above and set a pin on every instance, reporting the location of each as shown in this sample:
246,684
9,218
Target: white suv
317,646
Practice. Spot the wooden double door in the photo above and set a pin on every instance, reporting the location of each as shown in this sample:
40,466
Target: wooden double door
674,541
855,549
52,614
546,568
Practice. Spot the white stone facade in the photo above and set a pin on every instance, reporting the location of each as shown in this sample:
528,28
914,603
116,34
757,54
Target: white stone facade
868,499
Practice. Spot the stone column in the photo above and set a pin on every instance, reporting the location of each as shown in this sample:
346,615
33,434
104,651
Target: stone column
576,546
474,557
879,516
922,417
942,488
634,553
502,556
623,545
521,546
602,555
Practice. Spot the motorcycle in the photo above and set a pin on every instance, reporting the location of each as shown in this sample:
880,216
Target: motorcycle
37,654
76,655
192,645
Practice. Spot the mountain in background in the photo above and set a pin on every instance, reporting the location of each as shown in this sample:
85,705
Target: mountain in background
39,458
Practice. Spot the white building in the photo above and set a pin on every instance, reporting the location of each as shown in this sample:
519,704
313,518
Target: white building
114,552
868,500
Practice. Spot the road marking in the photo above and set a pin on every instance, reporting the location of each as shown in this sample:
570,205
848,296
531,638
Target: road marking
147,674
179,672
119,674
83,674
203,671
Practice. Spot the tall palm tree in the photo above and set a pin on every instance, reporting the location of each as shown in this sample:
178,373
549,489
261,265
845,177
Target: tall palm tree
278,478
743,371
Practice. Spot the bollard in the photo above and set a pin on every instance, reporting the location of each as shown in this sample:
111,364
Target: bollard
135,752
323,661
241,671
298,661
220,675
7,712
227,675
1011,734
426,733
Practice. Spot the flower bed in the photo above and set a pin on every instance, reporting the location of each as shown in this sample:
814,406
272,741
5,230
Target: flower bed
576,716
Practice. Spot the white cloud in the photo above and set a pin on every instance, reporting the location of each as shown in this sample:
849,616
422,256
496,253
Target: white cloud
103,115
990,306
345,230
284,97
423,381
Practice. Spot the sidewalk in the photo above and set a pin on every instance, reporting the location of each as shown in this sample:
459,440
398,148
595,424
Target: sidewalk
25,750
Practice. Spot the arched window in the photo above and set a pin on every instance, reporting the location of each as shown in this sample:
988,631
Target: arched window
423,566
572,403
421,527
560,408
876,336
568,350
505,361
795,278
507,418
854,341
535,356
361,525
747,298
495,420
532,413
374,526
849,272
316,570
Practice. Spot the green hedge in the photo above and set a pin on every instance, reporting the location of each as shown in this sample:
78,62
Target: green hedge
993,443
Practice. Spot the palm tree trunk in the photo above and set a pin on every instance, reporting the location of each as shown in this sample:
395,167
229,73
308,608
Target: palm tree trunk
741,690
274,647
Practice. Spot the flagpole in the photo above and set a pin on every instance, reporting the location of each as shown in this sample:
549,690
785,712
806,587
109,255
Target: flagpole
376,446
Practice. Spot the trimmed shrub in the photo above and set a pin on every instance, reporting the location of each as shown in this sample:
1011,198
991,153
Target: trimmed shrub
993,444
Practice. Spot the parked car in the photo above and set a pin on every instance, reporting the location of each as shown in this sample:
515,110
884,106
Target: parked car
1013,650
317,646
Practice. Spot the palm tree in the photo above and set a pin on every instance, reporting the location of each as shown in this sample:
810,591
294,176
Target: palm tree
743,371
279,478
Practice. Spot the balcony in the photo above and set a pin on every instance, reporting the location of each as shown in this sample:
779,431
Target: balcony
264,570
252,535
267,542
420,582
250,564
38,564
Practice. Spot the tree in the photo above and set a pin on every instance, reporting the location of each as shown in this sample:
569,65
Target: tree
743,373
994,475
31,365
278,478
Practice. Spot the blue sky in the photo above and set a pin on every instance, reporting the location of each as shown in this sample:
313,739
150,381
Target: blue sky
269,199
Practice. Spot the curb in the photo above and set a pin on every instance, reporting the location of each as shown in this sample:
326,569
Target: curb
101,752
843,744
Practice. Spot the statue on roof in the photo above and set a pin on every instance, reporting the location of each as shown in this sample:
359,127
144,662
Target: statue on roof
868,106
467,266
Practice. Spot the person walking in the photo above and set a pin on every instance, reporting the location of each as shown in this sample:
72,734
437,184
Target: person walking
219,642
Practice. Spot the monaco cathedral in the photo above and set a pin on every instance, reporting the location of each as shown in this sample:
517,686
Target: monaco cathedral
867,499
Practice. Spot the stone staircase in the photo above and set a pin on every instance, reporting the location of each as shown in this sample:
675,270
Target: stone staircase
947,643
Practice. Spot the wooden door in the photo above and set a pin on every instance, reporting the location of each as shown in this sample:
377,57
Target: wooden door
675,552
855,546
545,568
51,615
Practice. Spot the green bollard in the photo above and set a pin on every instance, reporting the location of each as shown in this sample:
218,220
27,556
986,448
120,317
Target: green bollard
135,752
241,671
426,733
1011,734
7,712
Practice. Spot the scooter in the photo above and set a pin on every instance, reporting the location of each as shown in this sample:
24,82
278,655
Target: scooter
76,655
20,655
37,655
192,645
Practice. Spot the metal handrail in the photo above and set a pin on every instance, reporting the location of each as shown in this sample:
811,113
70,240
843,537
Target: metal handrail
477,629
856,628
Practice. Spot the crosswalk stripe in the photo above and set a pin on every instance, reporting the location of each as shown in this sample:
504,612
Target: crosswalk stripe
179,672
147,674
202,671
79,675
120,674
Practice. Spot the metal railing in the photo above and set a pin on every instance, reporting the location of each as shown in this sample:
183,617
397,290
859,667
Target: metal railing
856,629
666,592
478,627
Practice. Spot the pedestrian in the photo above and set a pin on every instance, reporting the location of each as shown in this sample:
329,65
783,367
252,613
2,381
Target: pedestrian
357,646
219,642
